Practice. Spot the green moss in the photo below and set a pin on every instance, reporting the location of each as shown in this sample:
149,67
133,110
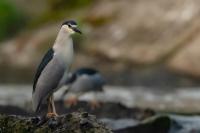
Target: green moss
70,123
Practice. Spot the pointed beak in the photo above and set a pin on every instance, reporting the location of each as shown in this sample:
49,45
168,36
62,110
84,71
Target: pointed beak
77,30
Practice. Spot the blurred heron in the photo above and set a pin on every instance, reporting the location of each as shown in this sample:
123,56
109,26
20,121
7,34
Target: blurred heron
53,69
84,80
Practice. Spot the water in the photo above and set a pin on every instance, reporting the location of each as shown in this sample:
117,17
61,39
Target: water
182,100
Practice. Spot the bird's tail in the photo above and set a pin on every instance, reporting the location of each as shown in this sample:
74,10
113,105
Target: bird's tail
35,103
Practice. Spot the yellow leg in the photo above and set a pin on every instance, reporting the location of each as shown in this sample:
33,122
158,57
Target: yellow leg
71,101
51,108
94,104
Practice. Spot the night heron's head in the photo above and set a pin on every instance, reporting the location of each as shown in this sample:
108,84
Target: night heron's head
71,27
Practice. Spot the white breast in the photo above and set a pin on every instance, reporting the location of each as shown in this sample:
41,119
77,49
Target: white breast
65,55
65,52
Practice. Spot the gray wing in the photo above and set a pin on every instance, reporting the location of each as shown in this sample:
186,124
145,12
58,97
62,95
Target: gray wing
85,83
46,59
47,82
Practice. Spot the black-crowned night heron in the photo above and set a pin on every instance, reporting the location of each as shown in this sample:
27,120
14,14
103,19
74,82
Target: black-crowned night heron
53,69
81,81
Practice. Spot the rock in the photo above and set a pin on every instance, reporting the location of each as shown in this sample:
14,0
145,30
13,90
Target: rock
8,110
157,124
186,60
118,124
19,51
185,124
69,123
141,34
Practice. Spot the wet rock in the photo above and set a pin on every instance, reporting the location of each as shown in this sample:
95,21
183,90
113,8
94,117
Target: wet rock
106,110
53,123
158,124
64,123
123,120
35,120
185,124
118,124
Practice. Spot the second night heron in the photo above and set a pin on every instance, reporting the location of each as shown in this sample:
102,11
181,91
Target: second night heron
81,81
53,69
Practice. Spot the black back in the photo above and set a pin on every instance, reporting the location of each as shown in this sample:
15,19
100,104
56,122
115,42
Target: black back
46,59
88,71
79,72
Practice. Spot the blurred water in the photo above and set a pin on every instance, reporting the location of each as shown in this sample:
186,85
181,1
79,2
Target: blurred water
179,100
185,124
17,95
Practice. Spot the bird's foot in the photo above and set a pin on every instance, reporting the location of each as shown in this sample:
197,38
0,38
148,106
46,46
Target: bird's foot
50,115
94,104
71,102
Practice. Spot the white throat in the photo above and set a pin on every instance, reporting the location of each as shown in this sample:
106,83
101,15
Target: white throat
63,46
62,40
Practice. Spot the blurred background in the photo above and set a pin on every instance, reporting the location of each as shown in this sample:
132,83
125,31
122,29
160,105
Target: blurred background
147,50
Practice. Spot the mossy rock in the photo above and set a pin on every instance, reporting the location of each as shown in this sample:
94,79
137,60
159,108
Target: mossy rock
69,123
